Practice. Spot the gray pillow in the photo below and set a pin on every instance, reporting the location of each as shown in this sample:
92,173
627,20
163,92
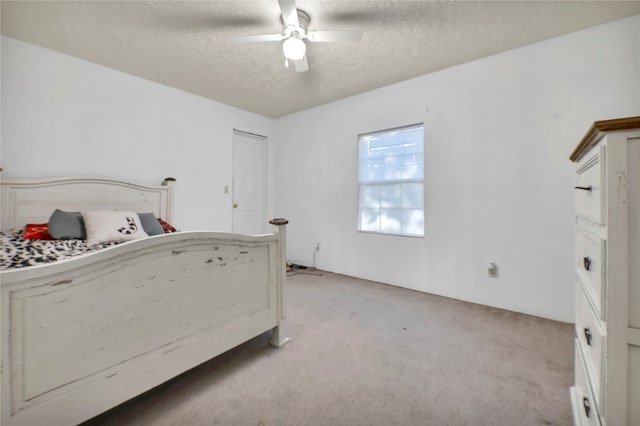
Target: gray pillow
150,224
66,225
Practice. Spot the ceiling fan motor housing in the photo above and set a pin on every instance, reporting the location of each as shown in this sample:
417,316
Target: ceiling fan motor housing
303,24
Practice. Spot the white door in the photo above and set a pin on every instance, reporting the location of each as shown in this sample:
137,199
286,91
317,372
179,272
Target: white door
249,183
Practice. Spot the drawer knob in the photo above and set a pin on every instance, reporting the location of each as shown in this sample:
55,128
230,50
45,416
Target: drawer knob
585,188
587,335
586,405
586,261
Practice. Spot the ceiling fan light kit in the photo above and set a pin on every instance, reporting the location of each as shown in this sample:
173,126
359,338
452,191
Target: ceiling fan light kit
294,48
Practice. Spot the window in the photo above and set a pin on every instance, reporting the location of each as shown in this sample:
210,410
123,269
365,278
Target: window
391,181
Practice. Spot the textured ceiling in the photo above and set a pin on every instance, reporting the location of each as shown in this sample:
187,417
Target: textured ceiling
189,45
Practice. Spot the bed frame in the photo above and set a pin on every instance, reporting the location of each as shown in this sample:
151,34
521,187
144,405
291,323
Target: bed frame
83,335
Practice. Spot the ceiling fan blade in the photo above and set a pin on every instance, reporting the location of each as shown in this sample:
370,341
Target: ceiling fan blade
335,35
191,21
302,65
256,38
289,13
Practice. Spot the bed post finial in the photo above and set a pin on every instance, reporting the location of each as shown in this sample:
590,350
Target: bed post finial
279,336
278,222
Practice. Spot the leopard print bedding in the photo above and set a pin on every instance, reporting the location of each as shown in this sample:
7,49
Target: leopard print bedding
19,253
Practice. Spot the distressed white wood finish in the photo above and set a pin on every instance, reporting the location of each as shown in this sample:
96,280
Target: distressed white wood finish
82,335
611,358
590,253
584,410
590,174
280,336
593,341
33,200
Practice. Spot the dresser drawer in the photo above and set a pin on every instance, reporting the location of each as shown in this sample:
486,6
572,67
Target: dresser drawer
590,258
590,188
592,341
585,408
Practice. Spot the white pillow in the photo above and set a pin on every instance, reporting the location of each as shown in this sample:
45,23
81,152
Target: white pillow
107,226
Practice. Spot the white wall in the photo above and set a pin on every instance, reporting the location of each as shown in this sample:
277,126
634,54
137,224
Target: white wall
64,116
498,182
498,133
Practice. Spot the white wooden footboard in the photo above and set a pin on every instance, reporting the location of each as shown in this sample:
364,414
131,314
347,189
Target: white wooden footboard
83,335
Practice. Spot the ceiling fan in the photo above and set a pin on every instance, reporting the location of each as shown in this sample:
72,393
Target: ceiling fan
295,24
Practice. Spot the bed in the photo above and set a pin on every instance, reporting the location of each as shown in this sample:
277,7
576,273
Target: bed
82,335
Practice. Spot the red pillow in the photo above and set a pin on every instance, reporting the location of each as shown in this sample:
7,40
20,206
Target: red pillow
35,231
166,226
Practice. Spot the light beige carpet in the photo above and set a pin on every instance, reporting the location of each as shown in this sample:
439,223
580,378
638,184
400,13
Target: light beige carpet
364,353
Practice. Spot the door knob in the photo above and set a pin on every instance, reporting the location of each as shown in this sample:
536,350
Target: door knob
235,205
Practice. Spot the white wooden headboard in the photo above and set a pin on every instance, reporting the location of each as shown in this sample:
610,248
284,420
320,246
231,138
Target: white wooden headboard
33,200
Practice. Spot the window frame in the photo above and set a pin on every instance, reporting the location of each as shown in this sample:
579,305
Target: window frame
389,182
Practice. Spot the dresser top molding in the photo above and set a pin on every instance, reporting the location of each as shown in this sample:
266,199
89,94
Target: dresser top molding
598,129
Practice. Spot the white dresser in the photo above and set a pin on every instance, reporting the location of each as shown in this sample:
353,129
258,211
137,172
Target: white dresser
607,344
